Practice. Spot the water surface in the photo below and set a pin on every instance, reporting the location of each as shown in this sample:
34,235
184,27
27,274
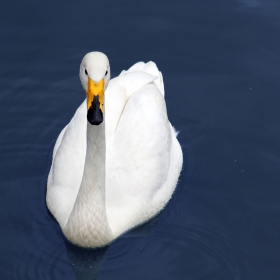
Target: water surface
221,66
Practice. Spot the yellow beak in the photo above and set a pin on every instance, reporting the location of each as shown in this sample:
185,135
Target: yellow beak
95,89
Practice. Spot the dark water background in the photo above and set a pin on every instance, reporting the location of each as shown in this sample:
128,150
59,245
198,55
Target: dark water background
221,67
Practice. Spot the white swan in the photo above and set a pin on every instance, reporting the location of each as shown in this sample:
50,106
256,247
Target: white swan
112,175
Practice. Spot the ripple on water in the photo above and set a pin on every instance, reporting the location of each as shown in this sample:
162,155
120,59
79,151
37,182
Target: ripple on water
38,246
35,262
42,257
197,251
206,247
192,131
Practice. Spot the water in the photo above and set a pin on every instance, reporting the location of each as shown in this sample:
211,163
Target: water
220,62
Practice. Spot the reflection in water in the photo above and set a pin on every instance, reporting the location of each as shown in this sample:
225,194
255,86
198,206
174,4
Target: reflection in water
86,262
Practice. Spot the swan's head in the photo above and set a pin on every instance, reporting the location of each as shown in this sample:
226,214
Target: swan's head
95,76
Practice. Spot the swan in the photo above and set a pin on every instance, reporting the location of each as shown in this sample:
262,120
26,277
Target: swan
117,162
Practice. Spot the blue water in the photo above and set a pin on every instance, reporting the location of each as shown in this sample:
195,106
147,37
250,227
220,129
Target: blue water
221,65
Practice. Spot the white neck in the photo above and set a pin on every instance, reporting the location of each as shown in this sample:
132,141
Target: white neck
88,225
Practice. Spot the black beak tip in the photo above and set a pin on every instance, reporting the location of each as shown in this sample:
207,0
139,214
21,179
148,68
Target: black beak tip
95,121
95,115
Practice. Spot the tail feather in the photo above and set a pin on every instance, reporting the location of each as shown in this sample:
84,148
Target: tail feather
149,68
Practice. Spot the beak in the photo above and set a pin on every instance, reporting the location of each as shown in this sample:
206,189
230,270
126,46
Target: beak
95,94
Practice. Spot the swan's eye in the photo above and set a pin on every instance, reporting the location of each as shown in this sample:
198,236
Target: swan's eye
86,71
106,73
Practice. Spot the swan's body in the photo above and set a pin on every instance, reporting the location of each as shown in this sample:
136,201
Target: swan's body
108,178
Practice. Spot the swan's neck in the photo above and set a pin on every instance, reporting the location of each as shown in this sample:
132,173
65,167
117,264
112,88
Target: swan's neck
88,225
